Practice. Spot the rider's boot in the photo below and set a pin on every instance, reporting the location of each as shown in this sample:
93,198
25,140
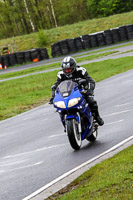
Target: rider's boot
99,120
94,109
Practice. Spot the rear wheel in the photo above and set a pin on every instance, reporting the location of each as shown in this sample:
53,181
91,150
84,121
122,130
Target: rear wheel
73,134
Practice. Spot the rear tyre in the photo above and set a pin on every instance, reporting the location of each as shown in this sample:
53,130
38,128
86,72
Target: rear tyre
73,134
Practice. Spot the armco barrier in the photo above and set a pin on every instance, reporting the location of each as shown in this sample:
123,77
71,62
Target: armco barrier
102,38
24,57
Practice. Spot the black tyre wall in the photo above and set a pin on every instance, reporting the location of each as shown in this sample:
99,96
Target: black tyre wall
86,41
64,47
12,59
43,53
108,37
27,56
5,60
100,39
79,43
129,29
20,57
93,40
56,50
123,33
116,35
71,45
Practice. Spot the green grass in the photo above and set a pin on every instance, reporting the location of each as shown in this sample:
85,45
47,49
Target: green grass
50,66
22,94
110,180
70,31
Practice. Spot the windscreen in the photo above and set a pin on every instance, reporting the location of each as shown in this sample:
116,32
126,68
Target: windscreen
66,87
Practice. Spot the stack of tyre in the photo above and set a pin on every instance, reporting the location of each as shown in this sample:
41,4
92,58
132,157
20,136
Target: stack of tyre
130,31
56,50
86,41
24,57
107,37
79,43
115,35
64,47
100,38
71,45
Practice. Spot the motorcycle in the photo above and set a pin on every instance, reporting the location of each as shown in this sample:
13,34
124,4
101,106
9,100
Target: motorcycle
75,113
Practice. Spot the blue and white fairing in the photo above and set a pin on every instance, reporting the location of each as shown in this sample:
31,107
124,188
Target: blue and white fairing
66,92
69,100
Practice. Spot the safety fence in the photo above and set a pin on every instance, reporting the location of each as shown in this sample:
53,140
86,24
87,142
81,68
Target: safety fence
107,37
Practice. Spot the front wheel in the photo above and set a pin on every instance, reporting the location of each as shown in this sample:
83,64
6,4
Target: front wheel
73,134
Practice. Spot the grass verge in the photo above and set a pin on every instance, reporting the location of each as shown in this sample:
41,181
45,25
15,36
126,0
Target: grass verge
20,95
110,180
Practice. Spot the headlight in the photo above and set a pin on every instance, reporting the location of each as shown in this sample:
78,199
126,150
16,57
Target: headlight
73,102
60,104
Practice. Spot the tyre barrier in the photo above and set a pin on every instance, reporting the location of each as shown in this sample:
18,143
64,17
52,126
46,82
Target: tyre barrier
130,31
24,57
12,59
100,38
64,47
86,41
123,33
79,43
56,50
71,45
93,40
5,60
107,37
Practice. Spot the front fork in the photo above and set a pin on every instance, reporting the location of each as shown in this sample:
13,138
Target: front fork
65,117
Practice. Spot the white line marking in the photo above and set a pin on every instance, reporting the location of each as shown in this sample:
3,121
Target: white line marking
34,151
76,168
117,113
114,122
123,104
19,168
4,135
12,163
57,135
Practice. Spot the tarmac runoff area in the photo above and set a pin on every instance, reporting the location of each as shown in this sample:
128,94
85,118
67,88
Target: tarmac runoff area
67,178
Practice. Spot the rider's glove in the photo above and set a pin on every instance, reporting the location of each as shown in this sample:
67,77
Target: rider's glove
51,101
90,92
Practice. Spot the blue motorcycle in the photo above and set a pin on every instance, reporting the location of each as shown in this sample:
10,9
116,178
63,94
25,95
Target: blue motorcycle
75,113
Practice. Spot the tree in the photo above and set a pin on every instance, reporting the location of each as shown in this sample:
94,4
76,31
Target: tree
28,13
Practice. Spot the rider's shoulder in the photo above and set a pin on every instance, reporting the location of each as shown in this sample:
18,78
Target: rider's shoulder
60,74
81,69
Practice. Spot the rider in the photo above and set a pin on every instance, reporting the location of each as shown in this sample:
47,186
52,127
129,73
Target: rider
71,71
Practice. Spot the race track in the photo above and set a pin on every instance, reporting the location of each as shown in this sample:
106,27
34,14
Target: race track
35,150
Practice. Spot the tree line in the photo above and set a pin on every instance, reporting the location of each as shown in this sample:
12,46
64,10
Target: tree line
18,17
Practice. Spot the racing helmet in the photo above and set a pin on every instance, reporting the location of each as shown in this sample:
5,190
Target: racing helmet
68,65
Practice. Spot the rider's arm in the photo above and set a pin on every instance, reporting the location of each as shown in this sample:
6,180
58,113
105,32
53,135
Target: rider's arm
85,75
91,82
59,80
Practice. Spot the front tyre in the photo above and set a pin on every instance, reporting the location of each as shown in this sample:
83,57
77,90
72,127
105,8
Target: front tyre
73,134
